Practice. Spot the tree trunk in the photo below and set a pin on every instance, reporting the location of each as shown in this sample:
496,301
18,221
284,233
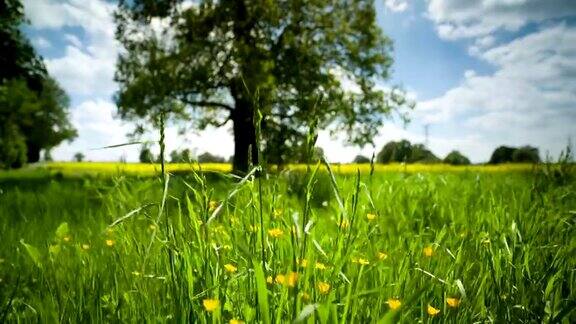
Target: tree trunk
33,153
245,149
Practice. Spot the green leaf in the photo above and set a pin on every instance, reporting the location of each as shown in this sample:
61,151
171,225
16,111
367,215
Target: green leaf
262,291
62,230
33,253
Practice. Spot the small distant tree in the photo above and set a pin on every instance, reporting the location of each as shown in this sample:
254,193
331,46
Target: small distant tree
502,154
146,155
395,152
181,157
361,159
209,158
526,154
456,158
79,157
419,153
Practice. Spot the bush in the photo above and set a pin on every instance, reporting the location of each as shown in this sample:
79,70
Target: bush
403,151
209,158
361,159
526,154
146,155
456,158
506,154
12,147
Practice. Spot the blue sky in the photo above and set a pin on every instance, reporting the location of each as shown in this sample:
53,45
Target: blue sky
483,73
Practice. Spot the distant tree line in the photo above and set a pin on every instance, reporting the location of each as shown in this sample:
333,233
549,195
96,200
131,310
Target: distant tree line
33,107
405,152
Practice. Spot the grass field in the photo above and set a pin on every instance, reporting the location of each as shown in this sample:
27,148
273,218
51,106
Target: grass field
408,243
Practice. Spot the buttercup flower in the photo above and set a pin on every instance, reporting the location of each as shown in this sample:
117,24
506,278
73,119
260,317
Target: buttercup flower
428,251
394,303
371,217
453,302
275,232
432,311
230,268
323,287
211,305
110,242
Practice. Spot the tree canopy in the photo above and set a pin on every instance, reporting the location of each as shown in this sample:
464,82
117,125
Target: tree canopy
506,154
274,66
33,108
456,158
404,151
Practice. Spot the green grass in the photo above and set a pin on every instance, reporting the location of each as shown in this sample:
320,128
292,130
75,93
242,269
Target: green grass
503,244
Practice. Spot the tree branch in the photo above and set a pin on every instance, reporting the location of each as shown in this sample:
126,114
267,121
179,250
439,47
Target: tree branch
208,104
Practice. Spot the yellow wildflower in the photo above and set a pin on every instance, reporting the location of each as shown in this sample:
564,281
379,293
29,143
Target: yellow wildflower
320,266
110,242
275,232
428,251
291,279
303,263
136,273
394,303
67,238
363,261
235,321
230,268
280,279
432,311
212,205
227,247
382,256
453,302
371,217
152,227
269,280
85,247
323,287
211,305
277,213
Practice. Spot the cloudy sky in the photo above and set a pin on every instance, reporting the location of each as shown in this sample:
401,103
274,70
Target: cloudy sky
483,72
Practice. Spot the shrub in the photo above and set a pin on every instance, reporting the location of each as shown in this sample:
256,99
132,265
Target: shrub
456,158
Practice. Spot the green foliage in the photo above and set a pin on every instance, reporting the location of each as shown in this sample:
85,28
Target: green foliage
18,59
12,147
524,154
79,157
361,159
146,155
493,248
33,108
456,158
404,151
206,157
184,156
224,60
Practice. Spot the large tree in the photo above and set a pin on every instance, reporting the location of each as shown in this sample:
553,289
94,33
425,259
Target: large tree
294,63
33,108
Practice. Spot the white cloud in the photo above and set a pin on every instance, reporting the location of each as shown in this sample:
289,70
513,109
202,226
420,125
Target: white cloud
396,5
41,42
83,74
474,18
530,99
73,40
87,67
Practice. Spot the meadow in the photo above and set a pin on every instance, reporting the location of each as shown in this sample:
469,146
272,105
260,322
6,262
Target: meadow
398,243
